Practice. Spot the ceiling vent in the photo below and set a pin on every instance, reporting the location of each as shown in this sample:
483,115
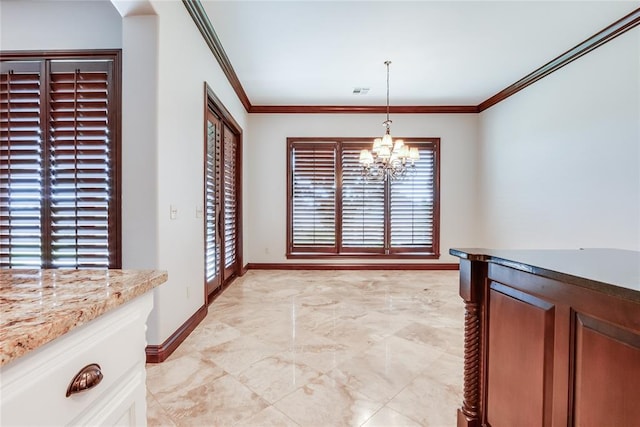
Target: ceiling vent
360,90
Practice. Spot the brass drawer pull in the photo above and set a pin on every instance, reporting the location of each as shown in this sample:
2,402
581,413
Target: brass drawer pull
89,377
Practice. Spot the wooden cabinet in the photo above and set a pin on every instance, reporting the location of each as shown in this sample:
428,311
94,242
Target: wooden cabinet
552,338
34,386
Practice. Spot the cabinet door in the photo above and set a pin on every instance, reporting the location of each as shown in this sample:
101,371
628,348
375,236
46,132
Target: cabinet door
607,374
520,363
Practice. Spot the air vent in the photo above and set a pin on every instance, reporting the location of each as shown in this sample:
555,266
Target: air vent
360,90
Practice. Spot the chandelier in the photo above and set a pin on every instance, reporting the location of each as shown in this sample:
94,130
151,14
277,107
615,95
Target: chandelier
388,159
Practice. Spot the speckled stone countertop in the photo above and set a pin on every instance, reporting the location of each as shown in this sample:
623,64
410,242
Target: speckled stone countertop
37,306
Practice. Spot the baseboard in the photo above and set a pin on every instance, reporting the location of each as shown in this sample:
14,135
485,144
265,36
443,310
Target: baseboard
310,266
159,353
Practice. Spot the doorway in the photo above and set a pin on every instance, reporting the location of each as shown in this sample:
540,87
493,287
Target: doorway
222,201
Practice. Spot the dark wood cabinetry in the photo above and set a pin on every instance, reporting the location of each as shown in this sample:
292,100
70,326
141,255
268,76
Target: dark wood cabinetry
552,338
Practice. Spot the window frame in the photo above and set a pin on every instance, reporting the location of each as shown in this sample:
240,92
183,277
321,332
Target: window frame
337,251
115,146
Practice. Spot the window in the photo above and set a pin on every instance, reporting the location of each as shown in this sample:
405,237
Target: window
333,211
60,148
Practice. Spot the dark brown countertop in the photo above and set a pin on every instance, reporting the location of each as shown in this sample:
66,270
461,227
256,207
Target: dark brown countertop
611,271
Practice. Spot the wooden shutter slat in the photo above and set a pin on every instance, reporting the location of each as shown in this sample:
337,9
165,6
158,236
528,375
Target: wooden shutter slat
79,105
23,106
21,78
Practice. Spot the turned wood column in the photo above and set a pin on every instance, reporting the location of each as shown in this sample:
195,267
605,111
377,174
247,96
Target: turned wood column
472,275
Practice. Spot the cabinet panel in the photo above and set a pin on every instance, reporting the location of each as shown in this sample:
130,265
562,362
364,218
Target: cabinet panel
607,374
40,379
520,366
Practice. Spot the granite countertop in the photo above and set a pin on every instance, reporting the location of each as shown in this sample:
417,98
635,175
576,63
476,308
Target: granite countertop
614,272
38,306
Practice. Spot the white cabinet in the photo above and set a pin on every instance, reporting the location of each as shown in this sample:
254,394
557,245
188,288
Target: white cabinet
34,387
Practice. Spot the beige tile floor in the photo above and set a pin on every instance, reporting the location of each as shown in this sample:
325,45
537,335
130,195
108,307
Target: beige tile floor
319,348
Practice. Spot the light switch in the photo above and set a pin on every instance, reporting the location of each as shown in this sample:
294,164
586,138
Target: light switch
173,211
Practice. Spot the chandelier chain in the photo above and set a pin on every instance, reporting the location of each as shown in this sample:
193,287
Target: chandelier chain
387,63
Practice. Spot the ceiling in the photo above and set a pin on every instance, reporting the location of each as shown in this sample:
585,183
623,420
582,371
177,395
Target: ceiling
442,52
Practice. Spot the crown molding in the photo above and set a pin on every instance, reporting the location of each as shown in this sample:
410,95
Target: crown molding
619,27
197,12
363,109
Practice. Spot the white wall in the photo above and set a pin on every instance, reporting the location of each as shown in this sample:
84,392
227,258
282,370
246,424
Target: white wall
65,25
560,160
140,216
184,64
139,147
265,172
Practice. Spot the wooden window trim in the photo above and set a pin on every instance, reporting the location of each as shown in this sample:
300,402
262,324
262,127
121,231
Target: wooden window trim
339,252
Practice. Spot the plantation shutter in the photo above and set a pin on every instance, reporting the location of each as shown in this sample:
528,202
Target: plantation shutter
334,211
363,205
230,198
212,201
81,191
313,198
21,164
59,198
412,206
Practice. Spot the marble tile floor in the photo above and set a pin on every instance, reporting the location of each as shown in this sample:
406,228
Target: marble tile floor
319,348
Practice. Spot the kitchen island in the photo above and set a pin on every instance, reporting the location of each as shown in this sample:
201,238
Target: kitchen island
552,337
57,325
